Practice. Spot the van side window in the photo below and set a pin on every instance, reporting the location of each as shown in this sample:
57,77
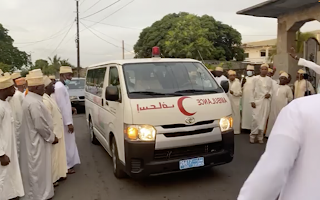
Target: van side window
114,77
95,79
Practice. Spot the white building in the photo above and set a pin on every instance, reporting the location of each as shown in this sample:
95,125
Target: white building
259,52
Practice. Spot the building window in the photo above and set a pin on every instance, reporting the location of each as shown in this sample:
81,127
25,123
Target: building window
263,53
246,55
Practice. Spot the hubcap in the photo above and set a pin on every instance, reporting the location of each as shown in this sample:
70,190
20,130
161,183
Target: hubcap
114,159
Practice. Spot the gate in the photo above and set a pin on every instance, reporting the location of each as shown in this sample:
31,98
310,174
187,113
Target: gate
311,48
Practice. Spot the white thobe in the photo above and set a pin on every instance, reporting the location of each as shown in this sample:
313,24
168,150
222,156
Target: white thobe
221,78
300,87
36,145
260,114
10,175
246,103
281,96
59,158
63,101
290,164
16,106
235,87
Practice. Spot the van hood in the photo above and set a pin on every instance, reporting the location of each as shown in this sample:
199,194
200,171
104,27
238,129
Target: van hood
76,92
176,110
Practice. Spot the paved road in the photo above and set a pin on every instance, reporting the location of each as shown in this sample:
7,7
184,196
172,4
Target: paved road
94,179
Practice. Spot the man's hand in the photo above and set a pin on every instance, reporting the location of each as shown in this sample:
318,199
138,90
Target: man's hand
74,111
56,140
293,53
267,96
70,128
231,92
5,160
253,105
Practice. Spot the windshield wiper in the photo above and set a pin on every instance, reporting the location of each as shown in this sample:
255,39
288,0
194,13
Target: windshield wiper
154,93
197,91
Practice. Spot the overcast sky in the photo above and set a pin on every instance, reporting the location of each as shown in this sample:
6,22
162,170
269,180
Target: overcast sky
29,21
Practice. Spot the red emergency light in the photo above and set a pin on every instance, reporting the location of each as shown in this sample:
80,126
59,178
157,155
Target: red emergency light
155,52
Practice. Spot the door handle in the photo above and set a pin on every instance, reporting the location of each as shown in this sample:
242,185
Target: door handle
102,102
107,103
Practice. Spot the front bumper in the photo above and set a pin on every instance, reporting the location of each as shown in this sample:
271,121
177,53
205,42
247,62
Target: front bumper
80,103
142,160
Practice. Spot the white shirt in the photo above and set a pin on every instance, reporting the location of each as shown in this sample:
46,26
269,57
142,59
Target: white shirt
221,78
290,164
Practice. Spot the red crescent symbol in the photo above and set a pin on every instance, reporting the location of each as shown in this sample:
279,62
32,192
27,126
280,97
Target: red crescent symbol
182,109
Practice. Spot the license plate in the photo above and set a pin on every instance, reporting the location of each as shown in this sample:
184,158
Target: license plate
191,163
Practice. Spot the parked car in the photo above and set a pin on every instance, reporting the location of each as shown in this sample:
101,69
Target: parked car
76,91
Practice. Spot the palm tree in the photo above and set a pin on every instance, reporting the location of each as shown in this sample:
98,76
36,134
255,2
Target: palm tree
55,62
300,39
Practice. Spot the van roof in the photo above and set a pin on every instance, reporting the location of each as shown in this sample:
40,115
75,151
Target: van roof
144,60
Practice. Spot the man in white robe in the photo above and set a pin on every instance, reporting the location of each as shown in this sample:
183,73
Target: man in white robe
10,175
260,103
36,142
301,85
234,94
63,101
247,85
16,106
281,96
218,74
290,164
59,158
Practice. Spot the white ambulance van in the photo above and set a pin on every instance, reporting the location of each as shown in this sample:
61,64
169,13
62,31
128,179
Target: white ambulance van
157,116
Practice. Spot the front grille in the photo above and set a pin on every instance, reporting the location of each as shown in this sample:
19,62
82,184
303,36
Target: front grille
81,97
135,165
184,125
178,134
185,152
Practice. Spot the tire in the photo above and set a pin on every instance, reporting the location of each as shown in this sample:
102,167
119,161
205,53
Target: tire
93,138
118,173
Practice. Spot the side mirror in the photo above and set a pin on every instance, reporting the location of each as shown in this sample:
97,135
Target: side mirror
112,93
225,86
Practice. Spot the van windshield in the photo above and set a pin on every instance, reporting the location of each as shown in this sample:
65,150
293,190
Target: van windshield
146,80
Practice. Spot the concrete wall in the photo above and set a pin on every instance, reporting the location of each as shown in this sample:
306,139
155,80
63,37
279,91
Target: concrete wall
288,25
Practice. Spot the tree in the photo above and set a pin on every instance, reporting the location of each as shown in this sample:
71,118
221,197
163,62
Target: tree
185,35
300,39
10,55
55,62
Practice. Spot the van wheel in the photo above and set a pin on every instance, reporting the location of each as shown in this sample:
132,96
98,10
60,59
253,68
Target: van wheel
92,135
115,161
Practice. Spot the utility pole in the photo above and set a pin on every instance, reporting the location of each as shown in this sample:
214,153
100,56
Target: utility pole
78,40
122,49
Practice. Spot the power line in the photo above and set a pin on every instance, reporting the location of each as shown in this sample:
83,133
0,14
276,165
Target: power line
100,10
114,25
109,36
91,7
101,37
63,38
49,38
82,2
109,15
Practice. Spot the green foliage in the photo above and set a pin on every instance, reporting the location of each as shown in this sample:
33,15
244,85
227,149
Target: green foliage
9,54
5,67
184,35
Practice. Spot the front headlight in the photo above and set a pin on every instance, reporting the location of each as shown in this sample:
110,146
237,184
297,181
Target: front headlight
226,123
140,132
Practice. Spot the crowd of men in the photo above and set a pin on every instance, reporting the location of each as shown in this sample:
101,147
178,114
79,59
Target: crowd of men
37,139
261,98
